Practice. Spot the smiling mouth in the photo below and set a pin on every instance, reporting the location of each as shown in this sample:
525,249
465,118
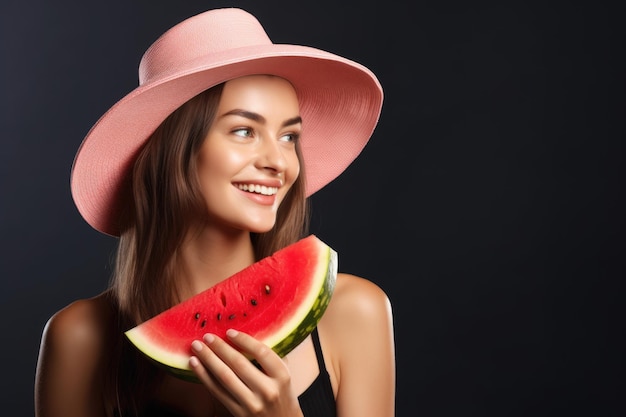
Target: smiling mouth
258,189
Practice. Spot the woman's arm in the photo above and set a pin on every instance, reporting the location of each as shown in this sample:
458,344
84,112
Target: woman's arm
68,377
358,328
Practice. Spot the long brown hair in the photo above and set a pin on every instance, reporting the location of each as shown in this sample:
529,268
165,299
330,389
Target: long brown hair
165,198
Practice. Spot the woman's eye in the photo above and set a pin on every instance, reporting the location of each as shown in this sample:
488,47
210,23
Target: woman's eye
243,132
290,137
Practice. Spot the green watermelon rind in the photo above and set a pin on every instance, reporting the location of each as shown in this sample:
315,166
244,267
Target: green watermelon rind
317,310
178,365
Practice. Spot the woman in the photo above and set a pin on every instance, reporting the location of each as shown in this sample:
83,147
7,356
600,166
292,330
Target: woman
169,170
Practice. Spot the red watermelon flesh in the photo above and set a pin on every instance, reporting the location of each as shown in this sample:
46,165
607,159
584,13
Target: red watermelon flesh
279,300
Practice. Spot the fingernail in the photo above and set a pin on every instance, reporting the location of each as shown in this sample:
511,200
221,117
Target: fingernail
196,345
231,333
193,361
209,338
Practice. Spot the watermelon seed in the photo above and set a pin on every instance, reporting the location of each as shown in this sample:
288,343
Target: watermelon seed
232,316
197,316
267,289
203,323
253,302
219,316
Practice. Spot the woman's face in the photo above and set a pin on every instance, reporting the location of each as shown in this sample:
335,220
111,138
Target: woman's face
248,160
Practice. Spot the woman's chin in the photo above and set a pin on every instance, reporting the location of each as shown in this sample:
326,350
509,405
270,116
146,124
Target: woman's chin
262,224
261,228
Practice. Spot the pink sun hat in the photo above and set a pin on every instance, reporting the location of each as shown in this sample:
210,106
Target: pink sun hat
340,104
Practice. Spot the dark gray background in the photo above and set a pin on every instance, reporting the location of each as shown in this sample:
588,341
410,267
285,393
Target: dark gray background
489,203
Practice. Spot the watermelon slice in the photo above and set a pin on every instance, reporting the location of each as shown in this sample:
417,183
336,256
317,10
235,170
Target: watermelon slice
279,300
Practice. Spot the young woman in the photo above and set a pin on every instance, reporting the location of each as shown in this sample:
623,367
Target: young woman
200,171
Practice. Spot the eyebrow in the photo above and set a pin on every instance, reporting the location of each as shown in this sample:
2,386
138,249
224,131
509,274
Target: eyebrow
260,119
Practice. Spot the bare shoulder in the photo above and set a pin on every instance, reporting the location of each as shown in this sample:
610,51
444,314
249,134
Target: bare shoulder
356,332
82,324
356,298
359,309
73,354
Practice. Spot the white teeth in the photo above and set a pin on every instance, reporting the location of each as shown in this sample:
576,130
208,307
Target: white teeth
256,188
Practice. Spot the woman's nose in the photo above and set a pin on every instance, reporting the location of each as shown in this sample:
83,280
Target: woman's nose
271,155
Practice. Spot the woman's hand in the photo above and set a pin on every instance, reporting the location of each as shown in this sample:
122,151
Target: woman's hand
237,383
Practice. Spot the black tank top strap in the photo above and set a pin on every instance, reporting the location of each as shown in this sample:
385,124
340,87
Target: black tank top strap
318,399
318,350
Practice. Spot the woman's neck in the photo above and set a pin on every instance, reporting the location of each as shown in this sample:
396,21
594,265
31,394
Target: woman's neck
209,257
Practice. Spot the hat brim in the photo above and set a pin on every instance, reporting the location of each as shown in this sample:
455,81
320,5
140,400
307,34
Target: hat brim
340,103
